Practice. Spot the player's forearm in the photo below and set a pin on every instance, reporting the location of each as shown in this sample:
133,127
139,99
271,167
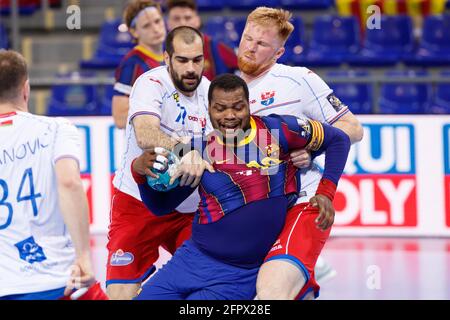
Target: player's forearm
351,126
336,146
120,111
74,208
151,137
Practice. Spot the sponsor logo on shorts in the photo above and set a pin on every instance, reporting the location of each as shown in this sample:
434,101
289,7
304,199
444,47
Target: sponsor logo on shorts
121,258
276,246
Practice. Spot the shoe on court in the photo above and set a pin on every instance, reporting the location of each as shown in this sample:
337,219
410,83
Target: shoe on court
323,271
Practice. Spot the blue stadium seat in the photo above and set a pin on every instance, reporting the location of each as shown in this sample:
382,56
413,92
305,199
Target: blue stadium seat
402,97
73,99
26,7
105,57
4,43
295,45
306,4
113,45
111,36
250,4
388,45
441,99
357,96
434,49
105,94
226,29
210,5
335,40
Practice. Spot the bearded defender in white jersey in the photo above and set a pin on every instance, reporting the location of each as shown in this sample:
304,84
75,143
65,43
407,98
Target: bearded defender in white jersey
288,272
44,226
165,103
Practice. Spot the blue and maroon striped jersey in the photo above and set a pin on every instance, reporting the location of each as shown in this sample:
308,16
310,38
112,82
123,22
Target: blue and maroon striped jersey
258,167
138,61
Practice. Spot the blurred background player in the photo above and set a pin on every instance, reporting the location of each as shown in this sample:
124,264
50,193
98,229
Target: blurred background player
219,58
164,102
44,226
145,22
245,200
288,272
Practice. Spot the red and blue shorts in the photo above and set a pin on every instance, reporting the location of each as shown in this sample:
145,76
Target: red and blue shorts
135,235
301,242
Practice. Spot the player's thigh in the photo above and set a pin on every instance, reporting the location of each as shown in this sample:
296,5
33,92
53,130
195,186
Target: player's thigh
133,240
300,240
206,294
279,279
288,270
238,285
122,291
174,279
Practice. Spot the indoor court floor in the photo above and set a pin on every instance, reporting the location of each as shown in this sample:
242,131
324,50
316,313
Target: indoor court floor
367,268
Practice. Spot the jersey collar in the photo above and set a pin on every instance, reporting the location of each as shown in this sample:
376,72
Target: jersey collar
248,138
262,74
149,53
8,114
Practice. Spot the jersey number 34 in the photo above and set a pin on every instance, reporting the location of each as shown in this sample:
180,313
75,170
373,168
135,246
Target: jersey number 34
26,192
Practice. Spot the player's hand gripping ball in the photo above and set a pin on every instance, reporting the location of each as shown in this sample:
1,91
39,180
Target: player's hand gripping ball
164,170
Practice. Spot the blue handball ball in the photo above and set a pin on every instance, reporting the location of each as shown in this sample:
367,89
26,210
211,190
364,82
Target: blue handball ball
162,183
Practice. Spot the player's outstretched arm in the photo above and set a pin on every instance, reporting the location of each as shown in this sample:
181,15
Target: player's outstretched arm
149,135
74,208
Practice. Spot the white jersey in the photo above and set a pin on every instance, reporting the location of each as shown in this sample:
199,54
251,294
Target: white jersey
299,92
155,94
36,251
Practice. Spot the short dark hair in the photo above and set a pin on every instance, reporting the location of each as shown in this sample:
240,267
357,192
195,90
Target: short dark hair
188,34
191,4
13,74
227,82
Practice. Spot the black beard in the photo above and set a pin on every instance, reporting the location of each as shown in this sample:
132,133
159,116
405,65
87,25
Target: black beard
179,82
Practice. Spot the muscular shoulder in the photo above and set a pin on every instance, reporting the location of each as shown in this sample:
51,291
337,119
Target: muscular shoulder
50,122
156,78
159,74
64,125
282,70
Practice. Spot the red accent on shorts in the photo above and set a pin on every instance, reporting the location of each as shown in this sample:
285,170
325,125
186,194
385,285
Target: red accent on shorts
302,240
136,234
95,292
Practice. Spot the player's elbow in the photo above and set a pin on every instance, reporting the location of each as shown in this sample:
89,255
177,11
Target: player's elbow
358,133
120,123
70,182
